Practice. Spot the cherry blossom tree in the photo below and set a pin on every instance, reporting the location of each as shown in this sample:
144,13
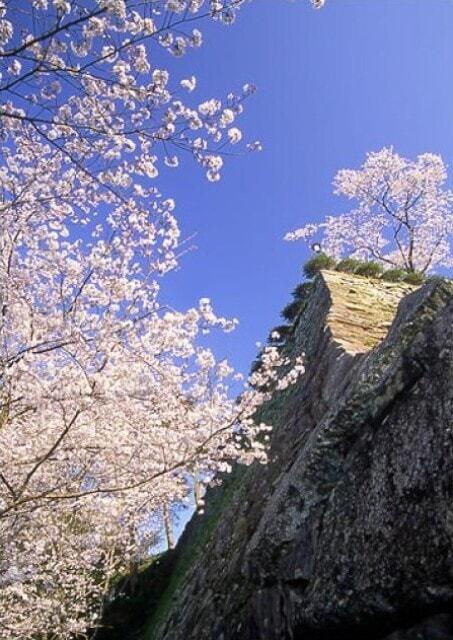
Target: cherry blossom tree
111,404
403,217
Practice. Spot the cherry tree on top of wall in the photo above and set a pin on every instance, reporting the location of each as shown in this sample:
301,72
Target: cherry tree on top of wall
403,214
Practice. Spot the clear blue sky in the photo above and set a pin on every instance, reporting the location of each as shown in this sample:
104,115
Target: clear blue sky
332,85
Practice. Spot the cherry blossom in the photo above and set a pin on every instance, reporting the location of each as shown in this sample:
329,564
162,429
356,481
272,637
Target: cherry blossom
111,403
403,217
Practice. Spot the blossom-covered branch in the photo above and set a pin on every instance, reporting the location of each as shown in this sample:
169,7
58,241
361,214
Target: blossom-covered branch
110,402
403,217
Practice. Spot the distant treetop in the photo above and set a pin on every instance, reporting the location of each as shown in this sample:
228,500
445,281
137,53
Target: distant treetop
402,217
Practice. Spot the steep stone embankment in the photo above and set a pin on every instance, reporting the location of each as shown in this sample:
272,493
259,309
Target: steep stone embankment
348,531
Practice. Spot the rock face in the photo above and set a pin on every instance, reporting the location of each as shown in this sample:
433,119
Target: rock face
348,531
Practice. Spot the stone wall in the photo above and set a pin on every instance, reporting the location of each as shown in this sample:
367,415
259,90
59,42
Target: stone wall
348,531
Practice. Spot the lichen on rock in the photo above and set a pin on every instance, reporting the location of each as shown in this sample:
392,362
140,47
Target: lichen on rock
348,531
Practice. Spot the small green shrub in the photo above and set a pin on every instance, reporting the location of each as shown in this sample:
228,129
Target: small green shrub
349,265
303,290
291,311
393,275
256,364
369,269
283,332
414,277
317,263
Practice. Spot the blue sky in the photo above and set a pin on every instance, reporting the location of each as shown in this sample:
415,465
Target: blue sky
332,85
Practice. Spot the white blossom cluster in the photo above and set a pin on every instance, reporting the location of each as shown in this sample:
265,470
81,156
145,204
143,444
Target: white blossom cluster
403,216
109,403
83,75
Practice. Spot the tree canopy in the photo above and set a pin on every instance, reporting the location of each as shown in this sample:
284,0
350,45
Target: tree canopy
403,215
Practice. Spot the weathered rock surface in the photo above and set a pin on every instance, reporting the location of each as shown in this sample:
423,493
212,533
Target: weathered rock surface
348,532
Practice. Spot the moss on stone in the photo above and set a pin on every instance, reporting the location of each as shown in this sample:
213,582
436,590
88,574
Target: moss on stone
192,543
360,312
